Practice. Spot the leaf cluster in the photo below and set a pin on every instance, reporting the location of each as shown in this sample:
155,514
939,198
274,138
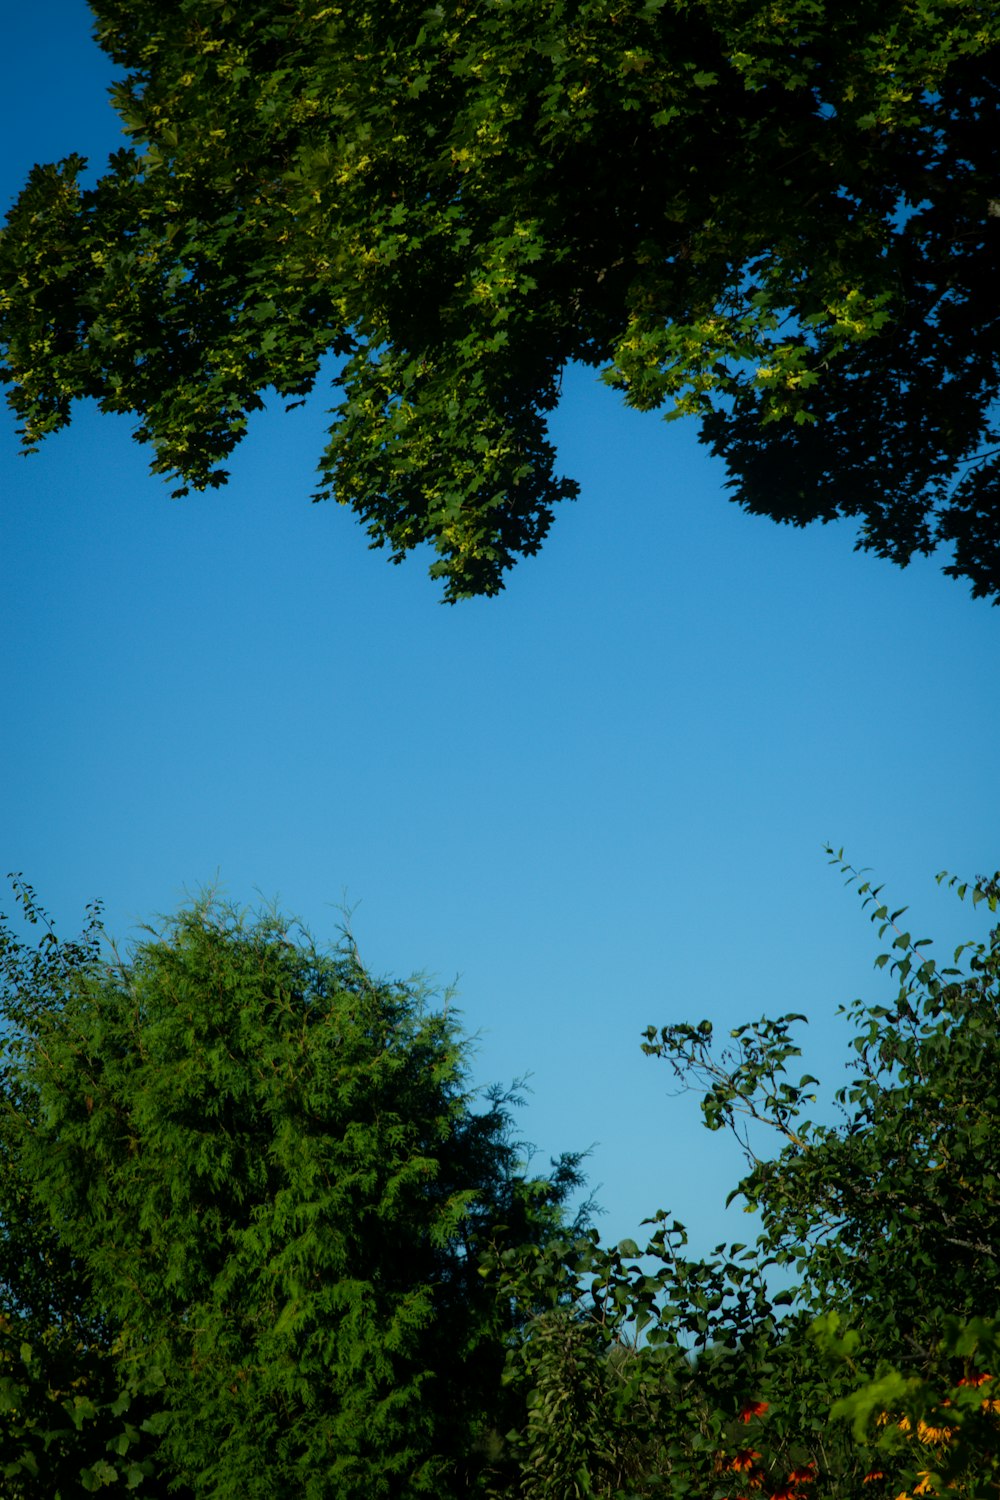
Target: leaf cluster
872,1371
779,216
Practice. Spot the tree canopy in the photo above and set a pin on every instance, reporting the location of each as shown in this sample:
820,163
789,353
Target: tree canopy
874,1371
244,1191
780,216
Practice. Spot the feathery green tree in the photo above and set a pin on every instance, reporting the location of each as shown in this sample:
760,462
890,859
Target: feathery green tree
277,1186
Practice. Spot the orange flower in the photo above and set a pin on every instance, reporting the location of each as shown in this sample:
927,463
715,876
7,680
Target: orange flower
787,1492
924,1483
753,1409
804,1475
872,1475
974,1382
928,1434
743,1461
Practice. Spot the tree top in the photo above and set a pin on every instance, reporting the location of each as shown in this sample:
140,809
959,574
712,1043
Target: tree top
776,216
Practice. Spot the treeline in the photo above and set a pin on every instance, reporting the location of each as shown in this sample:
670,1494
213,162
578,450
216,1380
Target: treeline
260,1237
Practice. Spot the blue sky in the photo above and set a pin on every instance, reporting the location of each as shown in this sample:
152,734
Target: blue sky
598,801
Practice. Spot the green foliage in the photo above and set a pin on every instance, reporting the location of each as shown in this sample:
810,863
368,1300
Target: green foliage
937,1435
275,1187
779,215
874,1371
73,1416
894,1213
256,1241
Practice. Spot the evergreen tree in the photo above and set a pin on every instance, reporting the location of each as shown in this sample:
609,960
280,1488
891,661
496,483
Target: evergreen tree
275,1179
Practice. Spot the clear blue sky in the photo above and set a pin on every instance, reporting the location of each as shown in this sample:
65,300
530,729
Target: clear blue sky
599,800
